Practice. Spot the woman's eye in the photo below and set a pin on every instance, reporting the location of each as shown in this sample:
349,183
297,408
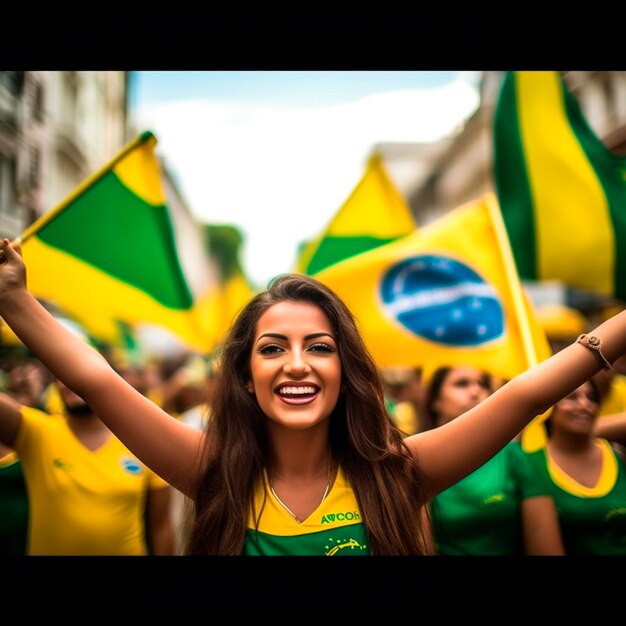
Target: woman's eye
270,348
321,347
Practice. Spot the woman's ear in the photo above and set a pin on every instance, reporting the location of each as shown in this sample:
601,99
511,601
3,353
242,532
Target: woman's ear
250,387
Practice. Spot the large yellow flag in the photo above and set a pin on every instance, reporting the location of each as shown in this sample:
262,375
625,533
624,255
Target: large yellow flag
373,215
446,294
236,293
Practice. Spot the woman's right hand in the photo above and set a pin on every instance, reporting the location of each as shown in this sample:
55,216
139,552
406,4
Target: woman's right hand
12,268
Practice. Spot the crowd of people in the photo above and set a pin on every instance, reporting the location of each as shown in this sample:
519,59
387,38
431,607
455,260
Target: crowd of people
293,442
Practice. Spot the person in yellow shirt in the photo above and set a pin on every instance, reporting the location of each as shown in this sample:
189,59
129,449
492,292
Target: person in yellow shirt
88,494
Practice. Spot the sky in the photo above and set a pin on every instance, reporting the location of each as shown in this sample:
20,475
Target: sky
277,153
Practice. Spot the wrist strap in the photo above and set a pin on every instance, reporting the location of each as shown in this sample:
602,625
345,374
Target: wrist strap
594,344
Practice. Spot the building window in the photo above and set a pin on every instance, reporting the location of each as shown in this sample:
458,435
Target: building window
33,170
7,186
69,96
37,111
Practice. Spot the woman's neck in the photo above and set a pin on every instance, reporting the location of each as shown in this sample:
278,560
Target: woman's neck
570,443
299,454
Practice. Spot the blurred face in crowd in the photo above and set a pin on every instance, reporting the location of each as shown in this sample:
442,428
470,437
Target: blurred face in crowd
402,384
577,412
462,389
25,383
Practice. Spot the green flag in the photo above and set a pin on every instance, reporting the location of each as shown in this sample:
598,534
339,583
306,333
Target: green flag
373,215
107,255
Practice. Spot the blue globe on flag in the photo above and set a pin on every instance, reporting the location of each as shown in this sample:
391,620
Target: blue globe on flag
442,300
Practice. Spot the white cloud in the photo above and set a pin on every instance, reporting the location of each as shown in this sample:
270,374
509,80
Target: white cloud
280,172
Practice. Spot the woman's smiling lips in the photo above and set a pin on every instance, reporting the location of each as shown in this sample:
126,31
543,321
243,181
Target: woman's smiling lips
297,393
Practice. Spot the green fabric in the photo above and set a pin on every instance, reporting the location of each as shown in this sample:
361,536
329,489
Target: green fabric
590,526
310,544
109,217
13,510
512,183
480,515
335,249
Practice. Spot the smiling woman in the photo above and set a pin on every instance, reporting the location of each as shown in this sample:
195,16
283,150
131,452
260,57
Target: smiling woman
585,475
300,455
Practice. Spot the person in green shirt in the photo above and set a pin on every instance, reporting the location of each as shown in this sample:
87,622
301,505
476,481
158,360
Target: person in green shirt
584,473
13,504
487,512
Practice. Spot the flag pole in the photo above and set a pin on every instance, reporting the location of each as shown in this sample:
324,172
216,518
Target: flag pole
144,137
511,273
534,435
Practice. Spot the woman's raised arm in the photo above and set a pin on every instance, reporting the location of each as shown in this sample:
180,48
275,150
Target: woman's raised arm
450,452
164,444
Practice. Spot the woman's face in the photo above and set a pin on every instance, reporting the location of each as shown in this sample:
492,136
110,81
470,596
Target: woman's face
462,389
294,365
577,412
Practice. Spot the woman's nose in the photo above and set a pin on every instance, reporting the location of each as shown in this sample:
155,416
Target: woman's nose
297,364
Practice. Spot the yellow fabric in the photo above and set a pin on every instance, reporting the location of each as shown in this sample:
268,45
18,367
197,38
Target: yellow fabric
406,418
373,198
341,504
615,399
53,401
236,293
7,336
99,288
139,170
82,502
561,322
374,208
606,480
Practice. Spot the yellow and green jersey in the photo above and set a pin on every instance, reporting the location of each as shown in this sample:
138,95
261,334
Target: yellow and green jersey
335,528
593,519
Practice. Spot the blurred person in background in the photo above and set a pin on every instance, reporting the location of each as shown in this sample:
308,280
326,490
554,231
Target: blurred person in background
584,473
24,380
88,493
403,387
188,393
563,325
487,512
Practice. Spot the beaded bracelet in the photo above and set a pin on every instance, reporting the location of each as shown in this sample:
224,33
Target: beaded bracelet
594,344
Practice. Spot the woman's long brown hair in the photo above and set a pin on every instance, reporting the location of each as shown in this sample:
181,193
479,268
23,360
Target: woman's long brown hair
363,437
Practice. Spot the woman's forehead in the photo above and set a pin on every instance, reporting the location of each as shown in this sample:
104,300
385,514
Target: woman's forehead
465,372
293,315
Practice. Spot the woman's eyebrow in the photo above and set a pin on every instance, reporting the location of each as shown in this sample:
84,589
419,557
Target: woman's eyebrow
284,337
